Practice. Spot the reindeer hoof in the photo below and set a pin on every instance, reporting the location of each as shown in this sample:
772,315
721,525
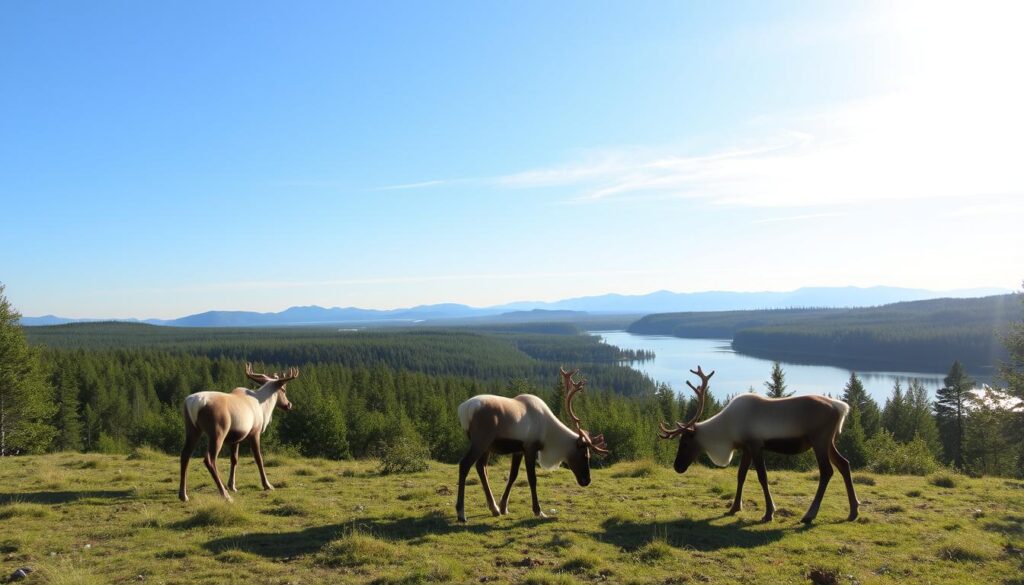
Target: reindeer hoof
732,511
807,520
495,512
268,488
767,518
228,498
540,514
183,497
504,511
462,519
852,516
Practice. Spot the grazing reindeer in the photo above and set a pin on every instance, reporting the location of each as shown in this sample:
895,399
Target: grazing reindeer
756,424
524,426
232,418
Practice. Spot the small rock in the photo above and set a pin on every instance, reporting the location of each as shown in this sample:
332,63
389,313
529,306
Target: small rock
53,554
444,491
20,574
88,546
552,511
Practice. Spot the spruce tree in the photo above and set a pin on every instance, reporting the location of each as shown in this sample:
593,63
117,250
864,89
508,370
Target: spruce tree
951,413
1012,372
895,415
862,406
777,384
25,398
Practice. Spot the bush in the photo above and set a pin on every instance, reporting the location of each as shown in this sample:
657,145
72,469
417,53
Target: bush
888,456
944,480
403,454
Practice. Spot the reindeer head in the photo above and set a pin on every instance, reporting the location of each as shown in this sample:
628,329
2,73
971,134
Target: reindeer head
578,459
689,448
279,381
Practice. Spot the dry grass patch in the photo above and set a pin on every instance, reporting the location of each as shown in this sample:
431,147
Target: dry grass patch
642,468
218,514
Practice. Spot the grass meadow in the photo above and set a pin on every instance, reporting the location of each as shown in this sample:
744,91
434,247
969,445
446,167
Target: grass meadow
88,519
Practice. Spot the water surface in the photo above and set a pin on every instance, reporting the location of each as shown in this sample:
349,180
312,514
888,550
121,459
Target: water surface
735,373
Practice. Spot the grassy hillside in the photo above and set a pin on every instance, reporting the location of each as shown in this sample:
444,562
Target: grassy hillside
920,335
114,519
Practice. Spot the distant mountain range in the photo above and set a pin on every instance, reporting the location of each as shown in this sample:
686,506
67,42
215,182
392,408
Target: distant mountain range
656,302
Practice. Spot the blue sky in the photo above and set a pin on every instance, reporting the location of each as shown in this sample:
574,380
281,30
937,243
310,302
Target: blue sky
160,160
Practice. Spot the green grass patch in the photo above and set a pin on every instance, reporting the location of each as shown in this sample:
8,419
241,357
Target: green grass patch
627,527
355,549
642,468
216,514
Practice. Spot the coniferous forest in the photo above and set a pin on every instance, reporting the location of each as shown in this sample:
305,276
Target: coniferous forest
112,387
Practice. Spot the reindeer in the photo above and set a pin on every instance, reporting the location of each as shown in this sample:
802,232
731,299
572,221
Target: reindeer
524,426
755,424
232,418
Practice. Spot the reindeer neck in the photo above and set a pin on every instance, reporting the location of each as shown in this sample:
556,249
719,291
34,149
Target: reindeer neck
715,438
559,441
266,395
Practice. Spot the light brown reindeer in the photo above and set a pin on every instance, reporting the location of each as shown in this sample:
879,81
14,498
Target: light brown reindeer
524,426
755,424
232,418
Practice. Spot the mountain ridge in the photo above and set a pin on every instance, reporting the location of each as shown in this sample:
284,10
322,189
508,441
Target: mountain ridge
661,301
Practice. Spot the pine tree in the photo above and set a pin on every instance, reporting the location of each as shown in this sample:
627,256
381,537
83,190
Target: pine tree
922,423
895,415
1012,372
777,384
862,406
25,398
65,419
951,413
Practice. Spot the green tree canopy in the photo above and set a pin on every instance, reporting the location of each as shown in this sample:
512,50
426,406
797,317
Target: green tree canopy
776,385
26,402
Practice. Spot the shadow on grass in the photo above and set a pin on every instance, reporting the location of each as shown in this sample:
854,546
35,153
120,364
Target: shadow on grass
62,497
280,545
699,535
1010,525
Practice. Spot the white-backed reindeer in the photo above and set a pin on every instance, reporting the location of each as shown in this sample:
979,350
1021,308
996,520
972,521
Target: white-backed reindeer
232,418
524,426
755,424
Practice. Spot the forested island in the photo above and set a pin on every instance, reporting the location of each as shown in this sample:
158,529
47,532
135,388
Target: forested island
919,335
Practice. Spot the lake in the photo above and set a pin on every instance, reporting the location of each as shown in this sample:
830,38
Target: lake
735,373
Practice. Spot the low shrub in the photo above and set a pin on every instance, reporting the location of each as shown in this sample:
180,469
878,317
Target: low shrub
403,454
888,456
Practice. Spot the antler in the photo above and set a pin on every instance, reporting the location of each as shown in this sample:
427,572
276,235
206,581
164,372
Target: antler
288,377
263,378
702,392
572,388
258,378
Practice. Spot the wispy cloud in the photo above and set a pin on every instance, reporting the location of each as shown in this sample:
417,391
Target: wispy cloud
804,217
912,145
419,185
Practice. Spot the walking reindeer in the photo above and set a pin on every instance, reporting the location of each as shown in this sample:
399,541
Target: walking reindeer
755,424
231,418
524,426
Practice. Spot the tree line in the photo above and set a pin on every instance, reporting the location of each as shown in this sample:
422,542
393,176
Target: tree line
113,387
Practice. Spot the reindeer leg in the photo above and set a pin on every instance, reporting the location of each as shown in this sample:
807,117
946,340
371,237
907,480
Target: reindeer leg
475,453
824,475
844,468
737,503
531,476
211,463
234,462
257,455
513,473
762,476
192,435
481,469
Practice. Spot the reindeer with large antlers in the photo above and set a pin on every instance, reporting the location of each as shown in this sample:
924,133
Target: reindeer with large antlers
524,426
755,424
232,418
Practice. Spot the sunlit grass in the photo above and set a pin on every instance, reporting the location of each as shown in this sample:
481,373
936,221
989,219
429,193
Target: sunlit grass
111,519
